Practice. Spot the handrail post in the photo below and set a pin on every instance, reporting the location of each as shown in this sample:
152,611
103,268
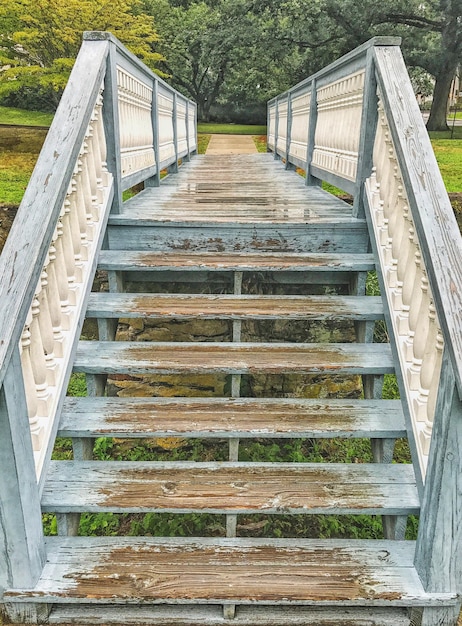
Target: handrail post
22,546
369,117
439,544
173,168
112,126
187,157
289,129
276,130
155,180
311,180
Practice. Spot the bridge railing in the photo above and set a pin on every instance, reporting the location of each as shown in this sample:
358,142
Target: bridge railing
356,124
118,124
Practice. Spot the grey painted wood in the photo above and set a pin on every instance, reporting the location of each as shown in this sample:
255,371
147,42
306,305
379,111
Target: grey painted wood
243,417
288,131
130,180
22,548
230,487
185,261
155,180
334,179
184,615
24,253
439,540
96,357
112,127
309,178
242,571
439,236
208,306
369,118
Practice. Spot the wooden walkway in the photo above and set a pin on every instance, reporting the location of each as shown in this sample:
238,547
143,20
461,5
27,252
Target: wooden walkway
236,188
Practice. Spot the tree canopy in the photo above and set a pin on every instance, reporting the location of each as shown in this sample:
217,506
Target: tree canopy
231,56
40,40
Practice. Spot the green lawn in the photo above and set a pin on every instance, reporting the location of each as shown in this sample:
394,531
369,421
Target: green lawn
10,115
230,129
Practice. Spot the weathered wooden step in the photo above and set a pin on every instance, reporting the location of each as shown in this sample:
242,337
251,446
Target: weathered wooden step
116,357
238,571
207,306
209,615
220,417
132,260
225,487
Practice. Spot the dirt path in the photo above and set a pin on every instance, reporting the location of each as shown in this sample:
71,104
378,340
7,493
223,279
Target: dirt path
231,144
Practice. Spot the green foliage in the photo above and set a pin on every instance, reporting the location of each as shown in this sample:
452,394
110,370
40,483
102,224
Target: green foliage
448,153
41,39
202,143
77,385
260,142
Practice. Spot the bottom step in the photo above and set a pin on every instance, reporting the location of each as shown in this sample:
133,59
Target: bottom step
151,570
213,616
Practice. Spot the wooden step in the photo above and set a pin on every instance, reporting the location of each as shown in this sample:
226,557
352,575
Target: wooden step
133,260
207,306
239,417
209,615
155,570
116,357
225,487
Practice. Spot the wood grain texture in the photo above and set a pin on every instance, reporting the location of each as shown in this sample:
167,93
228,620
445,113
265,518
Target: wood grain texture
243,571
132,260
95,357
241,417
207,306
230,487
439,235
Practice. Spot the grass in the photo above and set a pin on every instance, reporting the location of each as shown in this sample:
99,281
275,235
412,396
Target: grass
21,117
230,129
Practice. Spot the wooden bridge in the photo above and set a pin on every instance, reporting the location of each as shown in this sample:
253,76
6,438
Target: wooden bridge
240,239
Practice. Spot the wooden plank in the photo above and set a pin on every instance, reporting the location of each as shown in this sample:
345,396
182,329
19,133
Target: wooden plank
207,306
207,615
131,260
244,571
328,235
96,357
241,417
230,487
436,226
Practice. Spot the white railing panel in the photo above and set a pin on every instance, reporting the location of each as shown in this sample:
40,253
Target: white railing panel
192,128
339,110
136,133
271,126
416,327
165,117
53,318
283,110
181,127
299,127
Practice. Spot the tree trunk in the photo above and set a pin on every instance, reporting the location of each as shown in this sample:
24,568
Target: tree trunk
439,110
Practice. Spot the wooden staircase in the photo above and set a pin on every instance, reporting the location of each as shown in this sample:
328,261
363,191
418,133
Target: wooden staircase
247,243
357,581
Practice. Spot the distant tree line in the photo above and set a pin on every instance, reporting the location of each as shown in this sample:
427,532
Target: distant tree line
230,56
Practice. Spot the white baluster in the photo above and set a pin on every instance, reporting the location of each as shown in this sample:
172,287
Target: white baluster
46,327
420,335
29,386
54,304
74,225
61,277
68,252
39,367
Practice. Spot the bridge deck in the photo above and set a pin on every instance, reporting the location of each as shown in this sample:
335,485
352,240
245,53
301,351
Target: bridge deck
237,188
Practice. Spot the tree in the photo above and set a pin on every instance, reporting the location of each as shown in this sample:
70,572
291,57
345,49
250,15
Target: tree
40,39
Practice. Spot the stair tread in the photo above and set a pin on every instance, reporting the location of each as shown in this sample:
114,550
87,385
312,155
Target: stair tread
219,487
241,417
239,261
244,571
231,358
207,306
209,615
